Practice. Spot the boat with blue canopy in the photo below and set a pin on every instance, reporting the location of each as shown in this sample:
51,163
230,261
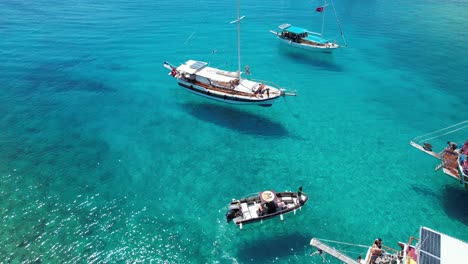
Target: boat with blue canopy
302,38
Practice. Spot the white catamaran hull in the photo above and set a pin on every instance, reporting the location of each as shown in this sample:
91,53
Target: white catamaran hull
222,97
327,49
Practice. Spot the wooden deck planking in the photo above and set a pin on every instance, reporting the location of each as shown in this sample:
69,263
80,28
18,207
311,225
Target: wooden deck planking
450,164
432,153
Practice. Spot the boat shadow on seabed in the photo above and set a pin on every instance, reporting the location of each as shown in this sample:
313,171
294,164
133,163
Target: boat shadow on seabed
454,203
317,59
235,119
452,200
272,248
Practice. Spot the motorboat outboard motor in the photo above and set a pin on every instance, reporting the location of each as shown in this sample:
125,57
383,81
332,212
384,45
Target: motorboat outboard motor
234,211
231,214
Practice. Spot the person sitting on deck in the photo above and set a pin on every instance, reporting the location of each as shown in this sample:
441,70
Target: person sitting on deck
260,90
451,147
261,209
464,148
463,152
280,204
234,83
359,259
376,250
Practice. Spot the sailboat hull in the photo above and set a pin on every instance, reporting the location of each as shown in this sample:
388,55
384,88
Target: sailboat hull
225,98
305,46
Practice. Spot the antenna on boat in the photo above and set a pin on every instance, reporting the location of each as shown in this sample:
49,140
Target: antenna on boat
238,38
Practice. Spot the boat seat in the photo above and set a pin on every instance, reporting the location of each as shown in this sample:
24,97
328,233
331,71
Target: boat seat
286,198
244,208
238,219
253,212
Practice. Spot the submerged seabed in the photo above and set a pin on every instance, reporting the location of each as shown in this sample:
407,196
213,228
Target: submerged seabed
104,159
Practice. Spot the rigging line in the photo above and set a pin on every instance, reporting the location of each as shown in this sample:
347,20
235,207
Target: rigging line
339,24
443,129
449,132
416,138
190,37
344,243
323,16
354,252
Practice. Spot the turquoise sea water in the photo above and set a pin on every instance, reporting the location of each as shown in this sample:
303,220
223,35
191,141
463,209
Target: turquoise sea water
105,159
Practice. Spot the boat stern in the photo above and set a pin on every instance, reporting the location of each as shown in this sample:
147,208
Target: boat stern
233,212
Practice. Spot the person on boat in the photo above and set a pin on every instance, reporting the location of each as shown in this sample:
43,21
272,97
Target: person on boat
359,259
260,90
463,152
451,147
299,195
320,252
270,207
234,83
261,209
376,250
465,166
280,204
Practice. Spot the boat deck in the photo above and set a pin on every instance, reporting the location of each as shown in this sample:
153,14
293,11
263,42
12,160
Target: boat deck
450,164
332,251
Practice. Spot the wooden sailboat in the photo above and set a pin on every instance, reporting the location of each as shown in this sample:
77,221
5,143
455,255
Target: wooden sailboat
264,205
454,157
302,38
225,86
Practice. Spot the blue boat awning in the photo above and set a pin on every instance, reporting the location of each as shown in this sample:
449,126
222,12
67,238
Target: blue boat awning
295,30
316,38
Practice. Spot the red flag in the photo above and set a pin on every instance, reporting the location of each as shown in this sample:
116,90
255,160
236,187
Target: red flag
319,9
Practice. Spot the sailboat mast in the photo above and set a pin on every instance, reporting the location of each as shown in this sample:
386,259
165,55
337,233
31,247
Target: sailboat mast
323,16
238,38
238,41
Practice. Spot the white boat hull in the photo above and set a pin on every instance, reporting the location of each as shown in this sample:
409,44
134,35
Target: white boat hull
225,98
327,49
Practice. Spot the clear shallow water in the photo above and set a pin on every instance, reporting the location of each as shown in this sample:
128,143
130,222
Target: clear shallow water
104,158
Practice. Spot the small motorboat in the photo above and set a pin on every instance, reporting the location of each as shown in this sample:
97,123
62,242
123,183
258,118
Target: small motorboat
264,205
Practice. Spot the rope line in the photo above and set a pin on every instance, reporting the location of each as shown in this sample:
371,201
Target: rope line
422,137
344,243
339,24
